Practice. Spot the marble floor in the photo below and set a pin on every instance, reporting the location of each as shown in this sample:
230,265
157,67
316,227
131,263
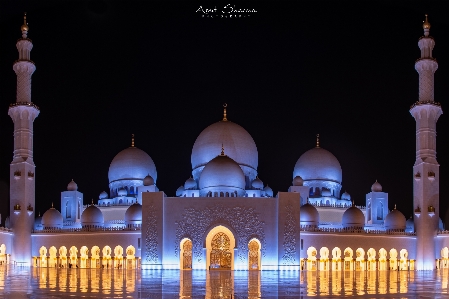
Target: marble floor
22,282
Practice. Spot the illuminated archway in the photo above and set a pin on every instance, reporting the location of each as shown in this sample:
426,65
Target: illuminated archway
311,258
186,254
382,259
84,257
348,253
73,257
324,259
118,257
444,261
393,259
95,257
254,260
107,261
404,259
220,245
3,259
53,260
372,259
336,259
360,259
63,257
43,256
130,257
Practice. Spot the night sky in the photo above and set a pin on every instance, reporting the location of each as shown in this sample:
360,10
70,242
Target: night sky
158,69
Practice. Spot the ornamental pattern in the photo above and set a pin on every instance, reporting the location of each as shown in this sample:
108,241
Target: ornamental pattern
196,222
151,255
289,236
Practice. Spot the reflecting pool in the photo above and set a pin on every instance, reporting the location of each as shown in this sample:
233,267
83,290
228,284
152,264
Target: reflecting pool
22,282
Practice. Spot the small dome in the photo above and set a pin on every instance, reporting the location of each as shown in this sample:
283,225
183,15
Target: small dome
346,196
52,219
410,225
103,195
376,187
190,184
353,217
257,184
38,220
122,192
268,191
180,190
298,181
395,220
326,192
133,214
318,164
148,180
308,215
72,186
222,174
92,216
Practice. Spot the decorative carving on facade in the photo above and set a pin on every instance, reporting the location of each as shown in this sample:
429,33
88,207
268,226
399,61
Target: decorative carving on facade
289,236
244,221
151,255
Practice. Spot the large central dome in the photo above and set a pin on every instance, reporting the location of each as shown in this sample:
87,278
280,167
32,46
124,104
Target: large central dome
238,144
318,164
131,164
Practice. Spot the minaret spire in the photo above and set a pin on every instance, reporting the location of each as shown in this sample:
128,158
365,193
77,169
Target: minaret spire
132,140
224,112
426,191
317,140
22,188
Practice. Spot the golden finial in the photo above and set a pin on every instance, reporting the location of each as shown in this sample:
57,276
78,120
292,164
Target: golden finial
353,203
426,24
92,202
224,112
317,140
24,27
52,205
132,140
222,150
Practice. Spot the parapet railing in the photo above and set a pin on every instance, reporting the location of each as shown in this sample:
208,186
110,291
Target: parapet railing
87,229
356,231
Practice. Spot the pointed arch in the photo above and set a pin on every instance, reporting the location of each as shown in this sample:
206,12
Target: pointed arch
254,257
220,245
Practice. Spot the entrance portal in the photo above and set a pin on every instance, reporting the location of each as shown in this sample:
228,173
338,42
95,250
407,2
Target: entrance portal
220,255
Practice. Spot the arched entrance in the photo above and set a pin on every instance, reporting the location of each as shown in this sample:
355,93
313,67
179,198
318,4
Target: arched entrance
186,254
220,244
254,255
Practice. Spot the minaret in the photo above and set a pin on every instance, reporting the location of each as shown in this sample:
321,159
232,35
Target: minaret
426,169
22,175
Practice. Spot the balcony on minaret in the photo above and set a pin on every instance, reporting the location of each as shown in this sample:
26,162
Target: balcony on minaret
30,175
431,211
431,176
30,209
418,211
17,209
417,176
17,174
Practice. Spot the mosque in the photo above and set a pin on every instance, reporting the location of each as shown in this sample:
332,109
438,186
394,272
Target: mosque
224,216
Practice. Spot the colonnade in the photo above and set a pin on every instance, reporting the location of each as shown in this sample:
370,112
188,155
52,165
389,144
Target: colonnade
64,258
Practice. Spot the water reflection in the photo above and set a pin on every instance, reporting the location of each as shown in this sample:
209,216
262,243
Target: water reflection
121,283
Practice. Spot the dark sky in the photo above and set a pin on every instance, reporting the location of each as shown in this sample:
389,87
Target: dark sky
107,69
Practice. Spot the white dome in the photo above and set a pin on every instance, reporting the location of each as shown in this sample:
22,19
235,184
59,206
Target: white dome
180,190
222,174
298,181
353,217
257,184
376,187
103,195
410,225
133,214
92,216
52,219
318,164
346,196
308,215
190,184
395,220
122,192
268,191
237,142
72,186
148,180
131,164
